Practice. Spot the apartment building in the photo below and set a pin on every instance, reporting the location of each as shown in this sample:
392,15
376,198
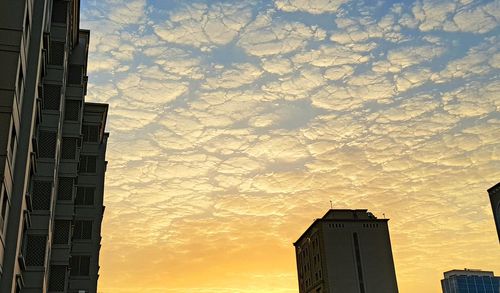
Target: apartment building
52,151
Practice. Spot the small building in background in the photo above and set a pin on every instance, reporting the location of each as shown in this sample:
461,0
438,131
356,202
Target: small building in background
470,281
346,251
494,193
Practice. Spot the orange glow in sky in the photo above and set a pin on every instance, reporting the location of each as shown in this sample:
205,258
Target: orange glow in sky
234,123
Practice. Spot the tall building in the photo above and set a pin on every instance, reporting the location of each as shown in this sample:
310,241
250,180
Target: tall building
52,151
470,281
494,193
346,251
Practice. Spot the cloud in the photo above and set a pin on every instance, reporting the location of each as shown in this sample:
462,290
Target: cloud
479,60
433,14
310,6
473,100
408,109
454,16
264,36
204,25
481,19
148,93
296,87
126,13
238,123
411,55
239,75
277,65
330,56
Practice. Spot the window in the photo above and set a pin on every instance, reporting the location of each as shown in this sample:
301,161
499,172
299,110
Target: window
59,11
68,151
85,196
41,195
51,97
82,230
75,74
57,278
65,188
4,203
90,133
35,250
72,110
57,53
47,141
88,164
26,29
13,138
61,231
20,82
80,265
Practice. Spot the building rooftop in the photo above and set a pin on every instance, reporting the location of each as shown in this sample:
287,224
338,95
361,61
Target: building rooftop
345,215
494,189
468,272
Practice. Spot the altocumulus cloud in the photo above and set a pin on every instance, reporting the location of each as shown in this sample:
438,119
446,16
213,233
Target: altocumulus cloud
234,124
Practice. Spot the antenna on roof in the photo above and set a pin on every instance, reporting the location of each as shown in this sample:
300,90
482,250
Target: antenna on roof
331,204
383,215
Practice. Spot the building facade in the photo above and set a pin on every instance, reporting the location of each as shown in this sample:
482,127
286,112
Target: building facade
494,193
52,151
470,281
346,251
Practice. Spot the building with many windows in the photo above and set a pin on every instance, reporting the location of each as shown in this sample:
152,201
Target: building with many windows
52,151
494,193
346,251
470,281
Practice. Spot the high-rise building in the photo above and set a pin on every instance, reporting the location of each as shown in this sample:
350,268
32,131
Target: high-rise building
494,193
346,251
470,281
52,151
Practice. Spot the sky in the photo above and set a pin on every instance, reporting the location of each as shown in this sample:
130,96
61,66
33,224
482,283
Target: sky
235,123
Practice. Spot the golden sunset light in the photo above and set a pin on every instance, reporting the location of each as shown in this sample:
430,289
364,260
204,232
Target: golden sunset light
234,125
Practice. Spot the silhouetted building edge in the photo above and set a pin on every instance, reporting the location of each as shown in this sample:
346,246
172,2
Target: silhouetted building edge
494,193
346,251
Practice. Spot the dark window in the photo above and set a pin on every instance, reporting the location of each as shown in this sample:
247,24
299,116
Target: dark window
51,97
59,11
72,110
27,25
13,137
85,195
90,133
80,265
20,82
4,203
65,188
56,53
61,231
47,144
68,151
75,74
35,250
88,164
57,278
82,230
41,194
